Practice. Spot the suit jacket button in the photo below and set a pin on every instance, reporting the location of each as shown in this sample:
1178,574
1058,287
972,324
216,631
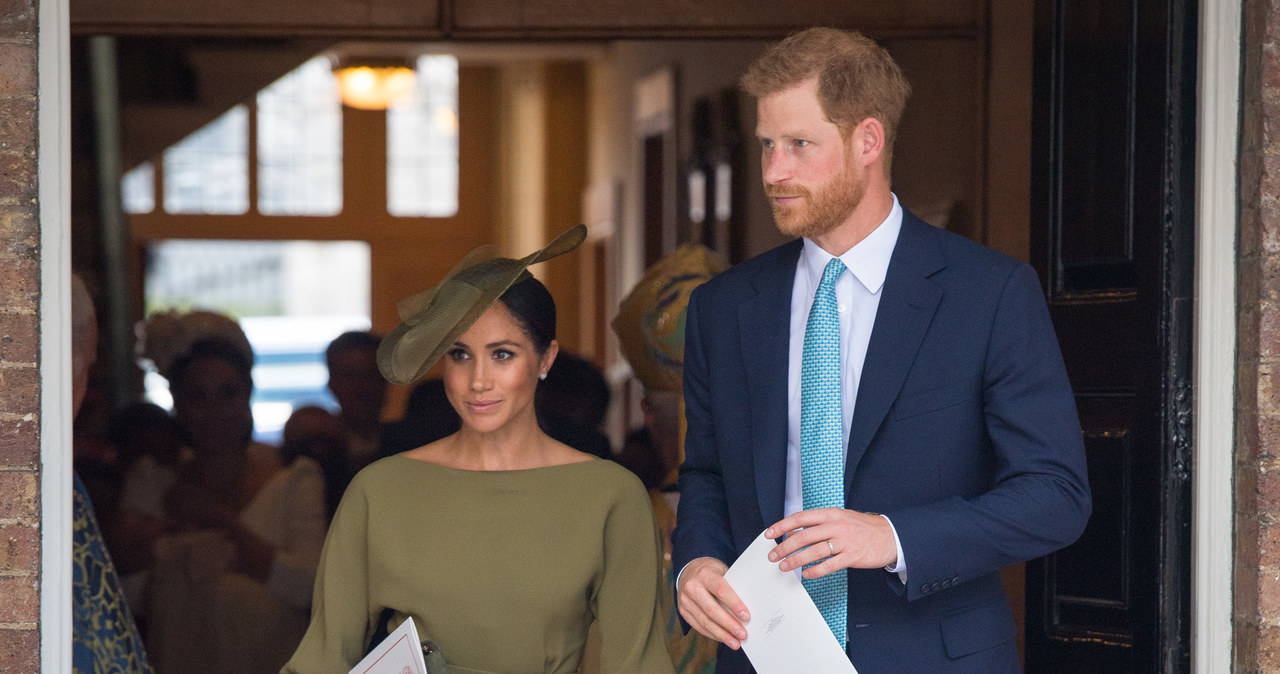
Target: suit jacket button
924,589
955,581
946,584
936,587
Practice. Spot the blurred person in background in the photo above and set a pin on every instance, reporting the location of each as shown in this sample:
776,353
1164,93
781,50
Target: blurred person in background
572,403
361,393
650,329
235,538
105,637
428,416
316,434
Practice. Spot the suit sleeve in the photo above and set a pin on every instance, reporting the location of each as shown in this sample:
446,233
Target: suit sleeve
1039,500
702,523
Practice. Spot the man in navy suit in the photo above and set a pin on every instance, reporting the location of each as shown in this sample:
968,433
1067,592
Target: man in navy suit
962,447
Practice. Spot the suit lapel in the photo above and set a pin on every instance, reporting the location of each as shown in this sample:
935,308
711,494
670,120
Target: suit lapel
902,319
764,322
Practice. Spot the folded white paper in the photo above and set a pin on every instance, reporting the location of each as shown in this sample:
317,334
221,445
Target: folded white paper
786,633
399,653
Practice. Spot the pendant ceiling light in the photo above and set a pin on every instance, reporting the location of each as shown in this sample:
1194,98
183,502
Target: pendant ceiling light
371,85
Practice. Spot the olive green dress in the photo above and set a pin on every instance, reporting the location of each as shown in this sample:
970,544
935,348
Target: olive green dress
504,570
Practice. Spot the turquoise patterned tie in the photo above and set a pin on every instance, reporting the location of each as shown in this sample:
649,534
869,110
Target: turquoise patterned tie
821,436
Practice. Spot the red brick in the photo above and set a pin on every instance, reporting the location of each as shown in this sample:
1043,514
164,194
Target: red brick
19,284
18,18
1270,67
20,549
18,175
19,231
1269,279
1252,223
1268,388
18,497
19,651
1269,494
1268,234
1249,327
1269,125
19,337
1249,278
18,69
1269,593
19,390
20,443
1268,435
1269,330
19,600
1268,649
1247,453
17,121
1246,386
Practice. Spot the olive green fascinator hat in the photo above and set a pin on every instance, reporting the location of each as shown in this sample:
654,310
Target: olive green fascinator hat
434,318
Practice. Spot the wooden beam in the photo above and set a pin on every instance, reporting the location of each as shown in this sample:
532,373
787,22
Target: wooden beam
519,19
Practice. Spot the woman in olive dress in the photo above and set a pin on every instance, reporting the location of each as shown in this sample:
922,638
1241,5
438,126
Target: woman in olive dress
503,544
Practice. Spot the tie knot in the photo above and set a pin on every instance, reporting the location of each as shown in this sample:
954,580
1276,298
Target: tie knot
829,275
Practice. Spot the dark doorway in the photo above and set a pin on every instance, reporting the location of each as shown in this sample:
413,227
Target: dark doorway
1112,235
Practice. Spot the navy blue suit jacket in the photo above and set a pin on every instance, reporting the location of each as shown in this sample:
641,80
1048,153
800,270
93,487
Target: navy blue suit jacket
965,434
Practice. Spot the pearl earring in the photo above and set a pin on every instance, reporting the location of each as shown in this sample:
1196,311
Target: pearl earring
542,375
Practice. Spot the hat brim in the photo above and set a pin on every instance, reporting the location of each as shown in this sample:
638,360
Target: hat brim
453,306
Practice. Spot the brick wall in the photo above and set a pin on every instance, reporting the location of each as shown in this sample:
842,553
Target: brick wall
19,342
1257,573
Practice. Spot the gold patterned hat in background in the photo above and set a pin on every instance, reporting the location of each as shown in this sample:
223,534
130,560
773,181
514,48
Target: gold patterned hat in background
650,321
434,318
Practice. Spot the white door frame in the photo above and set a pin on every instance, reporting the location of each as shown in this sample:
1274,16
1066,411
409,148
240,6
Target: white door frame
1217,215
53,133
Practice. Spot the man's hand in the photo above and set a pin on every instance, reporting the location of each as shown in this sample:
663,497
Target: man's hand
702,597
841,539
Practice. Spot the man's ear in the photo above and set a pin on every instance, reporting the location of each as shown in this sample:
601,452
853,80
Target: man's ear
868,141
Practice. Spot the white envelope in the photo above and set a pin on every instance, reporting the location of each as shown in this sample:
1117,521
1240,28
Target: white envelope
786,633
399,653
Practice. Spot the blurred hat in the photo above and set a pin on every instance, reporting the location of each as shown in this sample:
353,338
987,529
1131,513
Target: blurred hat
434,318
167,336
650,321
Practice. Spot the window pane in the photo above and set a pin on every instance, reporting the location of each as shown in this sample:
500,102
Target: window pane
290,297
422,143
300,143
138,189
208,171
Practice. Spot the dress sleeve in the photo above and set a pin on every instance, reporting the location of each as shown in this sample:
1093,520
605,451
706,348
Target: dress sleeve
293,571
628,605
340,615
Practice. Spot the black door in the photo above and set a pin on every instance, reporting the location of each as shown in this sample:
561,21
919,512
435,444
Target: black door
1112,235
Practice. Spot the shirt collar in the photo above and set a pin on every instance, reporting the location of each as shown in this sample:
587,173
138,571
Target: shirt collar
868,261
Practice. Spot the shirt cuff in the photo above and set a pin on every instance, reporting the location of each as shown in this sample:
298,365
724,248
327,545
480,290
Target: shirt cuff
900,566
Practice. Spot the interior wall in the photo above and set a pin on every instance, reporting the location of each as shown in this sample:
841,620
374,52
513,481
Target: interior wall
407,254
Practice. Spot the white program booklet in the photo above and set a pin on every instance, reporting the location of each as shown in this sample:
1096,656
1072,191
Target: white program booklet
399,653
786,633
